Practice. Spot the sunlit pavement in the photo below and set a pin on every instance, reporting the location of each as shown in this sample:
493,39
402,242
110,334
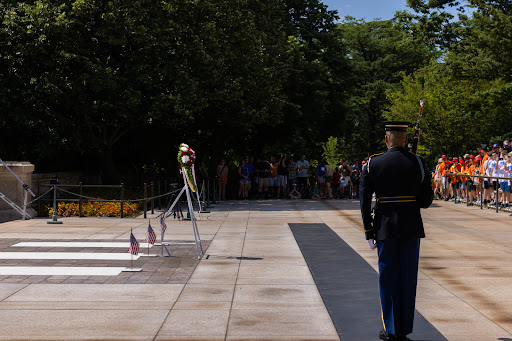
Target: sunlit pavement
464,285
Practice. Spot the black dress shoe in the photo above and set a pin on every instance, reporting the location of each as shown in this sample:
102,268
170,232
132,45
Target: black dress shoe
402,337
387,337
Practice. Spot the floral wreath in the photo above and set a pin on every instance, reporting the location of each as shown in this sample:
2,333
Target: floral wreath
187,158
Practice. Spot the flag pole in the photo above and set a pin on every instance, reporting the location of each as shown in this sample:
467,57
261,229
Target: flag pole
162,232
148,238
162,239
131,250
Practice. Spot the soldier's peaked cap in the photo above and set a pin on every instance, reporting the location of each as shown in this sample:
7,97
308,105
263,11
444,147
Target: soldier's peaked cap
396,125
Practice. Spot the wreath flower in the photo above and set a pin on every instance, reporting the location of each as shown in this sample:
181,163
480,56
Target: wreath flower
186,158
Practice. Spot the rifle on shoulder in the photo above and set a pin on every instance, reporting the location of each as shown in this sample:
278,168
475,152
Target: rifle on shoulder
416,138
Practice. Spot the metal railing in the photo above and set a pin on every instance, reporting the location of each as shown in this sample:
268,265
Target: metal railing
81,198
450,175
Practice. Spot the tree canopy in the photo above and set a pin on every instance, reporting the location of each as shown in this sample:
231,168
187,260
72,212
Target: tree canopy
113,86
468,91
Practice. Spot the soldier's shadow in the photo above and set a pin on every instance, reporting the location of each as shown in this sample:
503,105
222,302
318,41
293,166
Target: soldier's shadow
505,339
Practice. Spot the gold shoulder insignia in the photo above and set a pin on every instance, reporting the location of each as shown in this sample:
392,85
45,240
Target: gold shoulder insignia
370,159
374,155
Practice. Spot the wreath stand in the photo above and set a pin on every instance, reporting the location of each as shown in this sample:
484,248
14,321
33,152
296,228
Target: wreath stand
202,207
198,195
197,239
177,213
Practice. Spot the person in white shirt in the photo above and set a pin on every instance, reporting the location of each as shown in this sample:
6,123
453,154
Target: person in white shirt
438,192
491,171
509,169
487,189
501,171
302,173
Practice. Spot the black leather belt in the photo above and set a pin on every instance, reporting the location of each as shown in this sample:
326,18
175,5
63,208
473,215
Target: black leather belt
396,199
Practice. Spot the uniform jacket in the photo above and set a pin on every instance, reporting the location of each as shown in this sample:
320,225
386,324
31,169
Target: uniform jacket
395,174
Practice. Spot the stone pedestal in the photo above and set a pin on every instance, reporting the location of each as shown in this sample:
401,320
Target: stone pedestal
13,189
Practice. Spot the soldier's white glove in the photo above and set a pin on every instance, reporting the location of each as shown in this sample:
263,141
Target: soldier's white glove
372,244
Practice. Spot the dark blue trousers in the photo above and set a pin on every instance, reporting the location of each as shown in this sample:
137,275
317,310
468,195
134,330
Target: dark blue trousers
398,269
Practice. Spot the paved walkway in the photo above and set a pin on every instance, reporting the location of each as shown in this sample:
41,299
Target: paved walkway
464,285
348,285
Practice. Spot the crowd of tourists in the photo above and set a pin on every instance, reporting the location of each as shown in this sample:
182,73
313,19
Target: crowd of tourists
285,177
481,178
468,178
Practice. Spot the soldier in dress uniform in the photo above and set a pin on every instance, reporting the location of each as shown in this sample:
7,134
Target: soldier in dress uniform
401,183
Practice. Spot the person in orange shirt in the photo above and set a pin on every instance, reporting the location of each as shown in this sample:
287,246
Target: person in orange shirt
463,180
449,187
455,181
476,181
483,155
479,170
456,169
460,179
471,183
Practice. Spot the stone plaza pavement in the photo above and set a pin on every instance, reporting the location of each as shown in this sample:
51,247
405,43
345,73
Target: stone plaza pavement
464,290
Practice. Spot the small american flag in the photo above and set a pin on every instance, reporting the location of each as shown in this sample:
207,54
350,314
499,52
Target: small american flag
134,245
163,227
151,236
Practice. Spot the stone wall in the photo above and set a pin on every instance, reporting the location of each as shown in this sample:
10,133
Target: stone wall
13,189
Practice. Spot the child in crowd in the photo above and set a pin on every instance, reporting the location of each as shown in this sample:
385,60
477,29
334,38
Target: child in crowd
294,192
345,184
313,190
